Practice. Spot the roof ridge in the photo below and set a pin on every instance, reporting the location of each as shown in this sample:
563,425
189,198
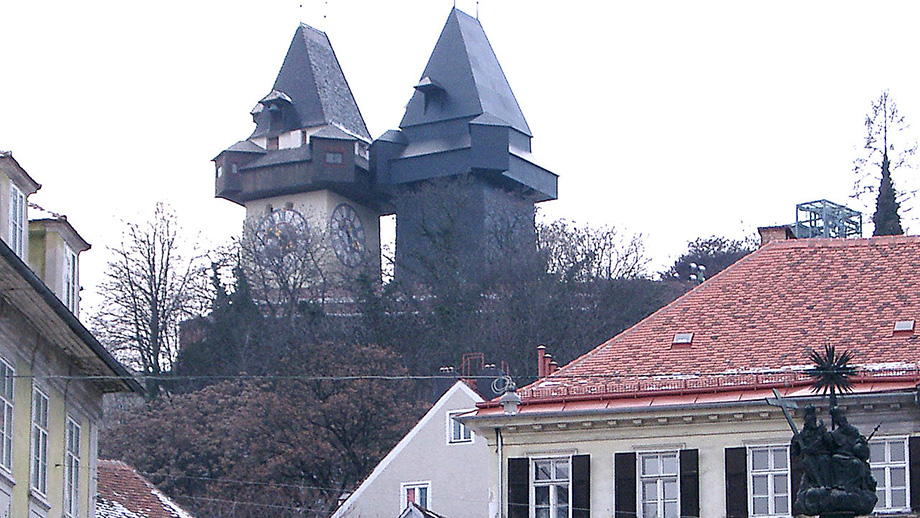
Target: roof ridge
836,242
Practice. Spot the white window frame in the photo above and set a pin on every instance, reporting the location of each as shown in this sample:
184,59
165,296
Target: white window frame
886,465
457,432
660,479
554,482
17,230
7,387
72,468
70,281
771,473
38,473
404,493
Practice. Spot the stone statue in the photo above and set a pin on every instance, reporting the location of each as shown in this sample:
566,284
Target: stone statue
837,480
813,444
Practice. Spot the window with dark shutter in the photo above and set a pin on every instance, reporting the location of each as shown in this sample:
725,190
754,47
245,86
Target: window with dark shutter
913,452
518,487
581,486
689,483
736,497
624,474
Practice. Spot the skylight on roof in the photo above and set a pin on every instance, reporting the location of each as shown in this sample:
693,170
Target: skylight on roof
683,338
903,325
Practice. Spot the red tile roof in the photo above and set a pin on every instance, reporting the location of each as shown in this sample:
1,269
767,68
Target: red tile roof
754,323
123,493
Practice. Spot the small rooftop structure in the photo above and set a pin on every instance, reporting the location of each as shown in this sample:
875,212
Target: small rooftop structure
822,218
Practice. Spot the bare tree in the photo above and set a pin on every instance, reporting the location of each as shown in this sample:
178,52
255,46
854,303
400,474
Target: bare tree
287,262
888,149
584,253
150,288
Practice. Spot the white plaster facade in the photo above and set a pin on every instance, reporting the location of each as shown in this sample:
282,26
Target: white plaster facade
453,472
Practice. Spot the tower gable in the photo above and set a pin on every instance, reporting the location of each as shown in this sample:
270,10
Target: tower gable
312,86
463,79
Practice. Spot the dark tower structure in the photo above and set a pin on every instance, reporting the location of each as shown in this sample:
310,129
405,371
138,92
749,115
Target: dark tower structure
307,162
458,172
461,158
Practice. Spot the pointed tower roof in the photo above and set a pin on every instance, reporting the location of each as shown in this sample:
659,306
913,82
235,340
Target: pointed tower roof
464,72
310,90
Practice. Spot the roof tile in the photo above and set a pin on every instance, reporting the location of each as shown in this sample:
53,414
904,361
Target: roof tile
765,313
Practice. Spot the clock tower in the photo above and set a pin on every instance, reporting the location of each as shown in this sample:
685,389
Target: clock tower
304,172
460,163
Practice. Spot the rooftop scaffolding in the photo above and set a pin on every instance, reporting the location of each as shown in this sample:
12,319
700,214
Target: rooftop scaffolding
823,218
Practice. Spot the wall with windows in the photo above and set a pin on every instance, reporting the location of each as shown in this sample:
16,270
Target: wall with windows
439,465
47,427
729,460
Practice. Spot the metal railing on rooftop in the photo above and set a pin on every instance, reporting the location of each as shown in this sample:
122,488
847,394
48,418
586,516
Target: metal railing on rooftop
616,386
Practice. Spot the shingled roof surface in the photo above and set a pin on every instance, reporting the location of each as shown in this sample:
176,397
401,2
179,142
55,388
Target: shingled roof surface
313,79
123,493
766,312
464,64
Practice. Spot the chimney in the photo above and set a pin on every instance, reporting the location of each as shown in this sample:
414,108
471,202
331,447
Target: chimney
775,233
541,364
547,361
553,366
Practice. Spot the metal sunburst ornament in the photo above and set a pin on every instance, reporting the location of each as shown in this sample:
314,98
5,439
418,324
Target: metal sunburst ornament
831,372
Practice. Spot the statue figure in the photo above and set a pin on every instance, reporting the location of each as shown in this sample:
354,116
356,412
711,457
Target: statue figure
837,480
813,444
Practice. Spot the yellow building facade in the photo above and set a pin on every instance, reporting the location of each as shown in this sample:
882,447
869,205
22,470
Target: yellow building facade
53,372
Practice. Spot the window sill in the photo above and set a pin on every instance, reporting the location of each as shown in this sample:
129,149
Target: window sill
6,478
39,500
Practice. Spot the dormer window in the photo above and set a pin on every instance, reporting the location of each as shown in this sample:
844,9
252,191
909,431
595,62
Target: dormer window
279,108
433,92
17,230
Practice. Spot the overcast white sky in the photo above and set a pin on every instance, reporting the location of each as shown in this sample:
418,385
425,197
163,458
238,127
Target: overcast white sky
673,119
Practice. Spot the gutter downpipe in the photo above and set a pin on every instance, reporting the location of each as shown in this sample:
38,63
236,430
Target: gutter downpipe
501,477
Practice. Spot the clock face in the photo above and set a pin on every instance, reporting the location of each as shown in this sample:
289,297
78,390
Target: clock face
281,234
348,236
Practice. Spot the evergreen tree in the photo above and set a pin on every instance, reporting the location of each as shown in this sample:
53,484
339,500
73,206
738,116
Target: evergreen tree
886,219
888,149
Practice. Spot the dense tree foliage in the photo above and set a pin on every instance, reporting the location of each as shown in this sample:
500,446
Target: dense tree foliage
289,444
715,253
886,219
